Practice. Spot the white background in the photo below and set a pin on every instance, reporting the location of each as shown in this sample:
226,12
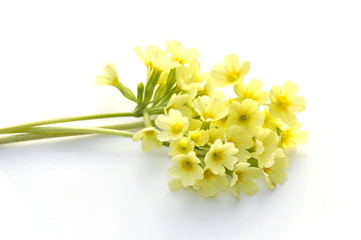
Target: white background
105,187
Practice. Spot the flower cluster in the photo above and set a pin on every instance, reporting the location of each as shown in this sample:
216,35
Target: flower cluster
216,141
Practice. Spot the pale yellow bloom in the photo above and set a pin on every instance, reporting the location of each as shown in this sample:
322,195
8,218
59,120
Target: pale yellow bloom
271,122
216,133
110,77
252,91
211,108
199,137
150,53
230,72
241,179
182,103
194,124
284,102
155,59
273,172
210,182
266,144
246,115
186,168
179,54
292,136
174,125
149,138
242,142
180,146
221,156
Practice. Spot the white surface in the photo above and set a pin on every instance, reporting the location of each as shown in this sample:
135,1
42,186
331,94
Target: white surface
105,187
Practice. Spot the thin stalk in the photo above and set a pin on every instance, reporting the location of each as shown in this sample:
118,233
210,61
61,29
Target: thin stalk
93,130
38,136
23,126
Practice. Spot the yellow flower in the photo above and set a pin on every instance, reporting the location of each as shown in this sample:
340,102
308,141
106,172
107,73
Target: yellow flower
211,108
174,125
242,142
199,137
266,144
210,182
284,102
179,54
186,168
149,137
246,115
231,72
216,133
149,54
252,91
241,179
221,156
180,146
292,136
273,172
110,77
271,122
155,59
182,103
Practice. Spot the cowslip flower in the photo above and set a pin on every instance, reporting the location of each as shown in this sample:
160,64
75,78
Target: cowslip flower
186,168
252,91
275,124
284,102
273,171
266,144
246,115
174,125
241,179
230,72
242,142
179,54
210,182
292,136
149,138
211,108
221,156
199,137
180,146
182,103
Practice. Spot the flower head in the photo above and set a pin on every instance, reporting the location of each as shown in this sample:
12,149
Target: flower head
241,179
179,54
273,171
174,125
252,91
181,146
246,115
221,156
149,137
284,102
110,77
230,72
186,168
292,136
211,108
210,182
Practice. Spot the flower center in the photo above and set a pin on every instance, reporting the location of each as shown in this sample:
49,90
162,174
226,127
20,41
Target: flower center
187,165
177,128
217,156
208,174
243,117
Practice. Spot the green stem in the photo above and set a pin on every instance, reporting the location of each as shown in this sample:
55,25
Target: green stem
92,130
37,136
20,127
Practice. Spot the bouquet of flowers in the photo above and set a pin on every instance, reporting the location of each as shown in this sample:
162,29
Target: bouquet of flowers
215,141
